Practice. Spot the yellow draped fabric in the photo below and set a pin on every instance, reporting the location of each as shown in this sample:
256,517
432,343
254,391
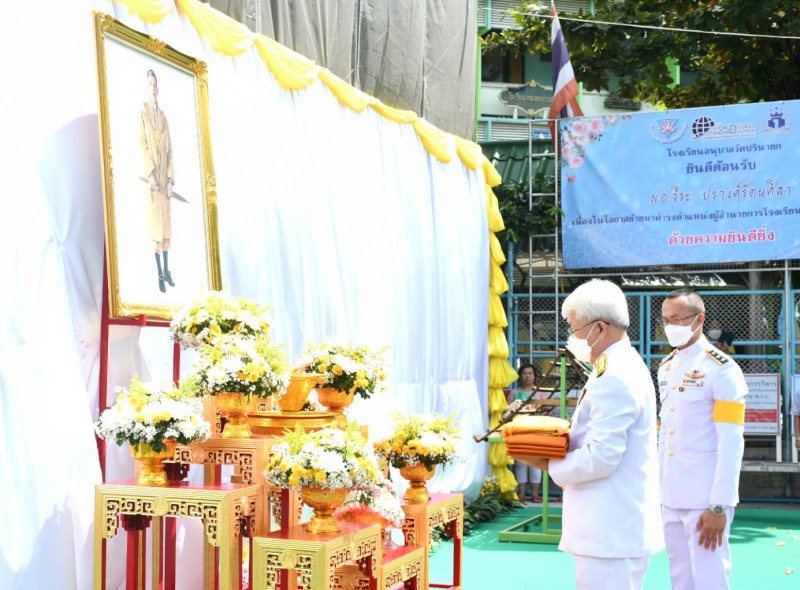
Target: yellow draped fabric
496,249
495,218
223,33
497,280
497,314
436,141
498,344
470,153
501,373
393,114
291,70
150,11
349,96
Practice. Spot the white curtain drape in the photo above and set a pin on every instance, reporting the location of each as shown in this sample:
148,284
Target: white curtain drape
341,221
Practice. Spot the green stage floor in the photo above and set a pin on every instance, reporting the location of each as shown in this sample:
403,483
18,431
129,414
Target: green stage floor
765,544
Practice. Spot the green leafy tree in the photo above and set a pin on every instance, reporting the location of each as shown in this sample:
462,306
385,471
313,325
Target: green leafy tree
632,62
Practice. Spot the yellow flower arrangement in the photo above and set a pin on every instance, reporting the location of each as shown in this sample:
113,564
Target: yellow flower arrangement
430,441
216,313
327,458
350,368
242,365
153,413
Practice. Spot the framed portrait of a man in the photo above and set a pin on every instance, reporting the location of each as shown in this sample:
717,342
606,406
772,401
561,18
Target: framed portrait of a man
159,191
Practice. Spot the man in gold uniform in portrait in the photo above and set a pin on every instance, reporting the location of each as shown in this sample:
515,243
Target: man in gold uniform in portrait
156,147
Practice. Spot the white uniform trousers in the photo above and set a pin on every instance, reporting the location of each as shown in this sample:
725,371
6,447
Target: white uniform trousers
601,573
692,567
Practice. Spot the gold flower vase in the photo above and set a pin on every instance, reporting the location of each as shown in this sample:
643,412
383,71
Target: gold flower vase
417,475
323,501
336,401
235,407
151,463
300,385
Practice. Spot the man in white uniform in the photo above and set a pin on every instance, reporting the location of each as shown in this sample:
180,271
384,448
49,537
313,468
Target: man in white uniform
611,522
701,444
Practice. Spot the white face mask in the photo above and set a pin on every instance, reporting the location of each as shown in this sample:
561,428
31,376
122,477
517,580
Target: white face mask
580,347
714,334
679,335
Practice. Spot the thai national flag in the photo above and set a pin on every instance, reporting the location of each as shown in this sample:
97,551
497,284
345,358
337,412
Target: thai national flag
565,88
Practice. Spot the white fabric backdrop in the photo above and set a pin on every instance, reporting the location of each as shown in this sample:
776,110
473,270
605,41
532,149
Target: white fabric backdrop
338,220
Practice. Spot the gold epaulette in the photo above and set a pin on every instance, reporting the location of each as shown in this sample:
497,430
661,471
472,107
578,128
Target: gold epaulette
669,356
601,365
718,357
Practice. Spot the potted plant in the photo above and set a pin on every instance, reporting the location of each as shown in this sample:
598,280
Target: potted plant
235,370
152,418
216,313
346,370
325,464
416,446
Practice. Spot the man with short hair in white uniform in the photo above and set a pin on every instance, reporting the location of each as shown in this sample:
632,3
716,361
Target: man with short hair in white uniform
611,522
701,444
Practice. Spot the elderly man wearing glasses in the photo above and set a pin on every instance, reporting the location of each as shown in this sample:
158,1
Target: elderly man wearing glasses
701,444
611,522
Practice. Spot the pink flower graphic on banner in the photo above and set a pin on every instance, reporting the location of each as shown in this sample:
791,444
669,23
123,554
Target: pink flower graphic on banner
579,135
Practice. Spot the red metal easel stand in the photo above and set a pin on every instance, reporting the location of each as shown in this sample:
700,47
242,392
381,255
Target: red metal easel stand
135,537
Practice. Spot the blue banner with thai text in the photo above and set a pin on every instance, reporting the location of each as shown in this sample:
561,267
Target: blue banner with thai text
707,185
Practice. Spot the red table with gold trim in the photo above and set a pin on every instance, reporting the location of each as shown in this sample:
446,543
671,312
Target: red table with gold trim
315,558
223,508
443,509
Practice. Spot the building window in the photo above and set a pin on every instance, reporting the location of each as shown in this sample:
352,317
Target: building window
507,69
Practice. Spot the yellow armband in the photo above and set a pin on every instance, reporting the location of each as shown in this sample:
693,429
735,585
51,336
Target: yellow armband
732,412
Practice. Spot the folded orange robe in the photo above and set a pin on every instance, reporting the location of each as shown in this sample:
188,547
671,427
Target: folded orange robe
537,424
541,437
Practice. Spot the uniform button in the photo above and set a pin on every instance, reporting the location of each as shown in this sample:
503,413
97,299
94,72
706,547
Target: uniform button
680,365
672,408
674,387
671,453
671,431
680,389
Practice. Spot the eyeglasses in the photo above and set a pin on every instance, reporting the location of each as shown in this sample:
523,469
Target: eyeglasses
571,332
668,321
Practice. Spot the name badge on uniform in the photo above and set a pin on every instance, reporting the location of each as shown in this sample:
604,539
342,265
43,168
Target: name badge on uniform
693,382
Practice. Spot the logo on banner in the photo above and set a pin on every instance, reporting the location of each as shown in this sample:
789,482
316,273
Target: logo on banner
776,122
667,130
705,128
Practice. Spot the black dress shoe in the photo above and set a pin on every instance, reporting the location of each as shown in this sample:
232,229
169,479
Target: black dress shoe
168,279
161,286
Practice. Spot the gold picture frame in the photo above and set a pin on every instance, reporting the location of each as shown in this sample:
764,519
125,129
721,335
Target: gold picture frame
159,188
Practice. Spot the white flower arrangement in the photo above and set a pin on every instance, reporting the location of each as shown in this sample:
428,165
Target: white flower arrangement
429,440
242,365
153,413
216,313
348,368
327,458
379,500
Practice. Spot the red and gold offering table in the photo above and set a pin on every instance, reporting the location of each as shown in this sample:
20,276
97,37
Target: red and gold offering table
249,457
443,509
400,565
316,558
224,510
